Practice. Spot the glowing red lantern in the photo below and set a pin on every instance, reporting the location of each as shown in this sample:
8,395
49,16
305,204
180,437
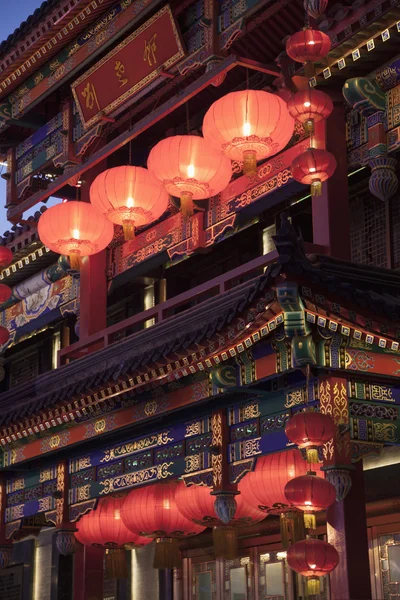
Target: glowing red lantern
129,196
313,167
310,494
190,168
6,256
315,8
310,106
248,126
197,504
5,293
4,335
310,430
76,229
152,511
308,46
312,558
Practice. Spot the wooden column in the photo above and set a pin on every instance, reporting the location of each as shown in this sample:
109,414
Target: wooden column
346,520
88,573
331,211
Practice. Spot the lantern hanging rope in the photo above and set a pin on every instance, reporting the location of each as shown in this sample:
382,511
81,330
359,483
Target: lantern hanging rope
248,126
312,558
196,503
313,167
310,430
190,168
152,511
310,494
75,229
129,196
310,106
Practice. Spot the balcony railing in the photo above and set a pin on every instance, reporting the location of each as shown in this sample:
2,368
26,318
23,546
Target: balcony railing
167,309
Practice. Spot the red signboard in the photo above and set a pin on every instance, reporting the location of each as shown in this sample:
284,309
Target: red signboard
139,59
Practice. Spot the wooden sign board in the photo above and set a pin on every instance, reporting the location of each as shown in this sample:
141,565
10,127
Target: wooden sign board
11,583
132,65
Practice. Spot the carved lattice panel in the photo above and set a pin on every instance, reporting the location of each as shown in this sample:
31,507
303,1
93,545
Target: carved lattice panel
368,231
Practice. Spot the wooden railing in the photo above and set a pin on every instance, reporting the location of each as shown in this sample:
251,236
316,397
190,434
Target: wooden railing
167,309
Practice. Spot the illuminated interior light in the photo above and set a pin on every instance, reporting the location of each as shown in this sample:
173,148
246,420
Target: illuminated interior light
246,129
76,234
130,202
190,171
312,169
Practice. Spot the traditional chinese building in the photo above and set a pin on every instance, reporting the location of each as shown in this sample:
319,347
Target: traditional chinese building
139,378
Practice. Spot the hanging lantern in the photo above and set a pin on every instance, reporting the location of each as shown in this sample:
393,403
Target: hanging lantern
310,106
152,511
313,167
6,256
104,527
129,196
315,8
190,168
312,558
197,504
308,46
66,542
248,126
309,430
4,335
310,494
76,229
5,293
264,488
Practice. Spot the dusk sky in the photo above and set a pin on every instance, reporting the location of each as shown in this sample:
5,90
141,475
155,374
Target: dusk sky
11,17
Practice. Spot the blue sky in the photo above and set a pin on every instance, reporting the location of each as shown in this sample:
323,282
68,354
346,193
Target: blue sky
11,18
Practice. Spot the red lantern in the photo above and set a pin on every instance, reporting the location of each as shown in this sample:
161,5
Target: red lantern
6,256
190,168
310,430
75,229
313,167
197,504
308,46
248,126
312,558
310,106
152,511
315,8
310,494
129,196
4,335
5,293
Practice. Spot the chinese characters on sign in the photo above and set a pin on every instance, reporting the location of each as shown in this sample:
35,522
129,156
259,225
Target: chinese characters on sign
132,65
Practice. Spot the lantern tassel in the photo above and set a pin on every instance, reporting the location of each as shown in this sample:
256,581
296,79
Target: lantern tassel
75,261
249,163
129,230
308,126
225,542
187,206
312,456
316,188
115,564
167,554
313,586
310,521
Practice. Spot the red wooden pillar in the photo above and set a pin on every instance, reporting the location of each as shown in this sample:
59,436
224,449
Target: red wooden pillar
331,211
346,520
88,573
93,279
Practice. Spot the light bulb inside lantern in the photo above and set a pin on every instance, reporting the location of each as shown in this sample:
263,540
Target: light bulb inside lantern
117,515
166,504
307,104
130,202
246,129
311,43
312,566
75,234
312,169
308,503
190,171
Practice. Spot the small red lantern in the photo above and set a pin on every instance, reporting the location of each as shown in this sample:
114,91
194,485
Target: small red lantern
315,8
308,46
310,494
152,511
197,504
5,293
4,335
190,168
310,430
6,256
310,106
312,558
129,196
313,167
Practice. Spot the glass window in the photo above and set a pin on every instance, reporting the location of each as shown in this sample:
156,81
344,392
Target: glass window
204,586
394,563
274,579
238,583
